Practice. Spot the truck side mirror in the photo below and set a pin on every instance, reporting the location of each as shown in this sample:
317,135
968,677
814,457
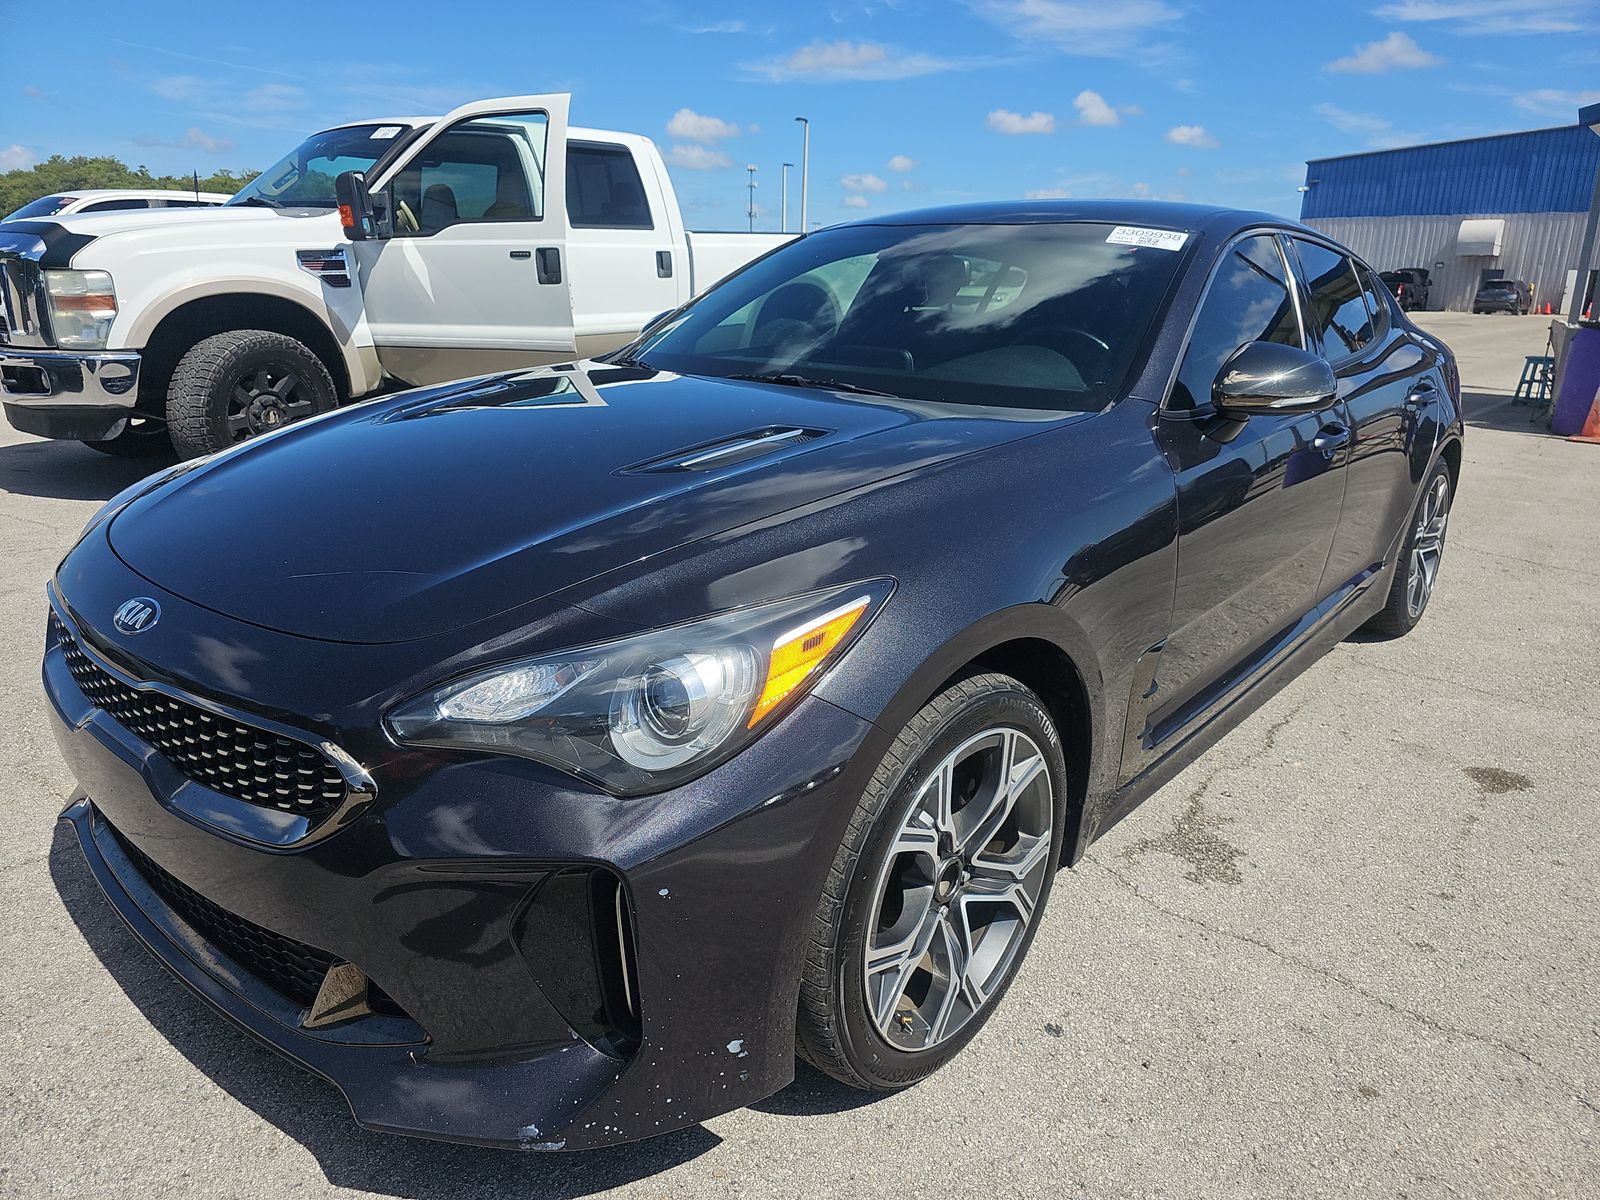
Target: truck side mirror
355,206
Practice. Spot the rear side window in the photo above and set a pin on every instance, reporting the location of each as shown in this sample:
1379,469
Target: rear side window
114,205
603,189
1338,310
1377,300
1249,300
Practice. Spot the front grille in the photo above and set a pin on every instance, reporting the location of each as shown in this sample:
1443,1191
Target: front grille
292,969
249,764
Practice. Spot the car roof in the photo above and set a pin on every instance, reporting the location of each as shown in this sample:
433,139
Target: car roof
1162,214
141,193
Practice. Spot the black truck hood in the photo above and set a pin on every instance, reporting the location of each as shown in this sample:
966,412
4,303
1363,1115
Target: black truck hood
418,514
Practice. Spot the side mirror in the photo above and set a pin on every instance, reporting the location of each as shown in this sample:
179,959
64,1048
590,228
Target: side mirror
1266,377
355,206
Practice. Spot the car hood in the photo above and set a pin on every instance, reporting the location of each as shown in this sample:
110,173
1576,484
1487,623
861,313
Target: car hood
421,513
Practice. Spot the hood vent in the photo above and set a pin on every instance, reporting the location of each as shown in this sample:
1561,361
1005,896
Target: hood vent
728,451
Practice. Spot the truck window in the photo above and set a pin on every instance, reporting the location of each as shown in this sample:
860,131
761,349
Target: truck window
603,188
114,205
485,169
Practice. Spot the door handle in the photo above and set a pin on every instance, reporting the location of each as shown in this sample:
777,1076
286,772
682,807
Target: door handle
1423,393
1331,439
664,264
522,254
548,261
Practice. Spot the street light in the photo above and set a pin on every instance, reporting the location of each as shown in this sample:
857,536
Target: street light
805,173
752,168
1588,115
784,221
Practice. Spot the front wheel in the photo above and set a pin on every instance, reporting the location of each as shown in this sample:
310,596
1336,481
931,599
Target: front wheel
938,887
238,384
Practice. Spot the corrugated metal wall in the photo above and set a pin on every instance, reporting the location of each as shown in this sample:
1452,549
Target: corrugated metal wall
1538,247
1540,171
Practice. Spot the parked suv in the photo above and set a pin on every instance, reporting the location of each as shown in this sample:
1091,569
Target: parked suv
1409,286
1504,295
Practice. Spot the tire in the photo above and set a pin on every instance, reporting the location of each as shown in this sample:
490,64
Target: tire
868,899
1404,609
141,437
235,385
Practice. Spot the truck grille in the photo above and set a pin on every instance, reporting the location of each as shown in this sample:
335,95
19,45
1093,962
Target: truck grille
249,764
290,968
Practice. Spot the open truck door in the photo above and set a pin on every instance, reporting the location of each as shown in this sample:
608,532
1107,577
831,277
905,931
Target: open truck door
463,257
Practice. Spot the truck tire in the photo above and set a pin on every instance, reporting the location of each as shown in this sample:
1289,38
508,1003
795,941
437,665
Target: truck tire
141,437
235,385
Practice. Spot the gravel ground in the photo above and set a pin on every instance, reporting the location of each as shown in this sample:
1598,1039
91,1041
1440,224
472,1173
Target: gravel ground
1349,952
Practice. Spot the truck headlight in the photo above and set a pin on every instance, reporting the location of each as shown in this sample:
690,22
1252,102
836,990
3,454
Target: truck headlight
648,711
82,306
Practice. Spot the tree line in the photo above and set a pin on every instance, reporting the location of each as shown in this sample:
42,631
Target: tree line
58,174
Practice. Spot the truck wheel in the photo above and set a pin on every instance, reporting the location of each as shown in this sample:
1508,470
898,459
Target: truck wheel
141,437
234,385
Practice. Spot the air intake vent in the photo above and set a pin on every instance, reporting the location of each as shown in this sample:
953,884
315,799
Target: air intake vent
728,451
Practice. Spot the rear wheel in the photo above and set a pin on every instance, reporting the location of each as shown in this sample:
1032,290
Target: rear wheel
938,887
235,385
1418,568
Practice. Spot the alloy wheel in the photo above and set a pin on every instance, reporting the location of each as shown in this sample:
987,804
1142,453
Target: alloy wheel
959,888
1427,545
268,397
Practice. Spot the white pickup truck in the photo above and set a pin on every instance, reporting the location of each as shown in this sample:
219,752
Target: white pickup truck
490,238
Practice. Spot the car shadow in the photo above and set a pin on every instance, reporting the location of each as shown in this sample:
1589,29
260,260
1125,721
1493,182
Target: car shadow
58,470
312,1112
813,1094
1494,410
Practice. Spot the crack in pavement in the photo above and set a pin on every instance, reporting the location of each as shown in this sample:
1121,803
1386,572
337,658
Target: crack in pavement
1312,968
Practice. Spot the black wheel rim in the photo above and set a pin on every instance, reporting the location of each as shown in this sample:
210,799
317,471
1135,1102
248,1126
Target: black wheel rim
268,397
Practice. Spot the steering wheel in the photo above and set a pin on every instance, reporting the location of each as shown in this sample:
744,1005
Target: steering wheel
1050,337
404,219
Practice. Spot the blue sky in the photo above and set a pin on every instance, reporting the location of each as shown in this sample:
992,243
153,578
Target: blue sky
912,102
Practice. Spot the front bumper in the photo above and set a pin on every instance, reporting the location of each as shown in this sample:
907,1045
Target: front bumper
86,397
429,890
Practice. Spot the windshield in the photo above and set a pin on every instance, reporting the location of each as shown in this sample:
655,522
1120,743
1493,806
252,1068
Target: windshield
1498,287
44,206
1021,316
304,177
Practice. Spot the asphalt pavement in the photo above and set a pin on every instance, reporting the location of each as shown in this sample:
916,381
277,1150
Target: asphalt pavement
1350,952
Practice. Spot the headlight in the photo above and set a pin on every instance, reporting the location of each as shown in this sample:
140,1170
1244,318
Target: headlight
82,306
648,711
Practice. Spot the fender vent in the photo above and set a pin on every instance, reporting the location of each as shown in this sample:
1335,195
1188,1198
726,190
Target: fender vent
728,451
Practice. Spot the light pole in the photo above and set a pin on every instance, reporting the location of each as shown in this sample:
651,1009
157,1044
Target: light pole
752,168
805,173
1588,115
784,208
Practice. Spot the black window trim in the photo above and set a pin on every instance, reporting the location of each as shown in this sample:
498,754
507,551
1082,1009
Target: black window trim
1276,233
612,147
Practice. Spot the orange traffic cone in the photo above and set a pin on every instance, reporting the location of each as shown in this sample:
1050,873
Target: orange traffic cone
1591,426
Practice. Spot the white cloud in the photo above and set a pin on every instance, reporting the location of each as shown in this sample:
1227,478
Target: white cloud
274,98
1004,121
1497,17
1191,135
1054,193
1088,28
16,158
179,88
1397,52
855,201
719,27
825,61
901,163
1093,109
1553,102
911,185
194,138
32,92
698,158
864,183
697,127
1378,131
1141,190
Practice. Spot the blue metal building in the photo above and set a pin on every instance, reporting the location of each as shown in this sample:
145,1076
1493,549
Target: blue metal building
1510,206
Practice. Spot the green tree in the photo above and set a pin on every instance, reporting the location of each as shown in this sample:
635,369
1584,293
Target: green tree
61,174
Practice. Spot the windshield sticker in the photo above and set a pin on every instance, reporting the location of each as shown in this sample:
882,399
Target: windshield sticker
384,133
1158,239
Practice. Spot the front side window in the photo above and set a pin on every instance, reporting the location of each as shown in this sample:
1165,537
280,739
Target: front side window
1011,316
603,189
304,177
1249,300
1338,310
484,169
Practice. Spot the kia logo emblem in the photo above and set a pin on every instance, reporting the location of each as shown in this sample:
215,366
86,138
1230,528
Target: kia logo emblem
137,615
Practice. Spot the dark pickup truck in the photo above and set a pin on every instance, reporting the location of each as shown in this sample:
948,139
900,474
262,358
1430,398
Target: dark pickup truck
1409,286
